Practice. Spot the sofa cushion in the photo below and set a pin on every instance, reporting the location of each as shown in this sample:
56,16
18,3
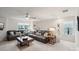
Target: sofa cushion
18,33
12,33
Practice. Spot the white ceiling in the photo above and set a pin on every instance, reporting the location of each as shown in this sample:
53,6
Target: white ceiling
38,12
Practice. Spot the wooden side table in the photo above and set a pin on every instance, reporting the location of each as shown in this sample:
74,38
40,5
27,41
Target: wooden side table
51,39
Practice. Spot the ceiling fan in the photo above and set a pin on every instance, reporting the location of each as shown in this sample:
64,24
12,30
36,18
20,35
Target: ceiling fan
29,16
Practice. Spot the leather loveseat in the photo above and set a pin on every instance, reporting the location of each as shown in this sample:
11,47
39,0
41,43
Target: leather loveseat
12,34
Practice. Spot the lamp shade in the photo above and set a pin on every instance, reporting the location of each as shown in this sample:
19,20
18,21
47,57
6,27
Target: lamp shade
51,29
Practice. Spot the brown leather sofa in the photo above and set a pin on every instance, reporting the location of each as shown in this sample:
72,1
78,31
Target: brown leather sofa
39,38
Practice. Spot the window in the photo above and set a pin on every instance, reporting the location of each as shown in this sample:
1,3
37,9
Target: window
23,26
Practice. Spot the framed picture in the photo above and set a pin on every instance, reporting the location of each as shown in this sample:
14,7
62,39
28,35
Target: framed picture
1,26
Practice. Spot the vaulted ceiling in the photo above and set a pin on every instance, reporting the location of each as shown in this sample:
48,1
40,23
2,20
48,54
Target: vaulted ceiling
38,12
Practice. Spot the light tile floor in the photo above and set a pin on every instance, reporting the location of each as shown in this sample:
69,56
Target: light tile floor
34,46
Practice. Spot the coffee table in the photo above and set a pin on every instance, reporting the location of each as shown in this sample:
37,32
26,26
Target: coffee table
24,40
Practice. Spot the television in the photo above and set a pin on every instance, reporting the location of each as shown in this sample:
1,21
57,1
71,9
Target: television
78,23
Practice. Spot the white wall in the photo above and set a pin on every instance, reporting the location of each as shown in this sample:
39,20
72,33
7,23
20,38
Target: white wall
12,23
44,24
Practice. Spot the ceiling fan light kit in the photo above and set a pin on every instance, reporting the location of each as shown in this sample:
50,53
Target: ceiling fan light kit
29,17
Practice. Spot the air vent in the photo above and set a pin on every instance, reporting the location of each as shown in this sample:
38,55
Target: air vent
66,10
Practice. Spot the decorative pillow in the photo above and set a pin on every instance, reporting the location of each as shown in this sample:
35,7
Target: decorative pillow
12,33
38,33
45,34
18,33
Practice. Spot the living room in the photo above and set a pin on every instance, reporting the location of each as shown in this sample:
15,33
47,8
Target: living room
62,21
